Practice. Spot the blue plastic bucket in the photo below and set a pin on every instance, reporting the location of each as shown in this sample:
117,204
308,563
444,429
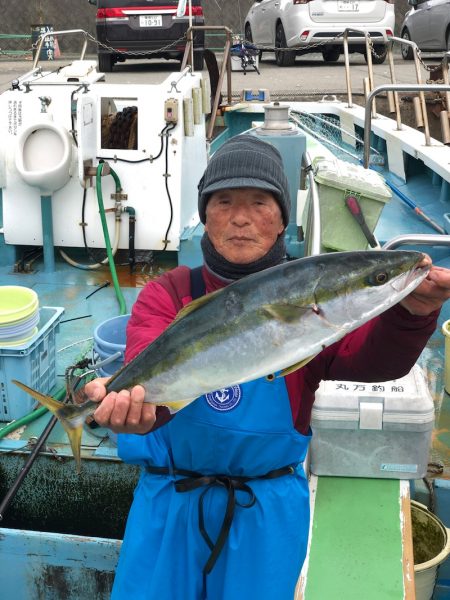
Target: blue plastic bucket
109,344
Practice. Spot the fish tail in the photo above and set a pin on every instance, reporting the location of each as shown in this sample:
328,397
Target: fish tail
73,429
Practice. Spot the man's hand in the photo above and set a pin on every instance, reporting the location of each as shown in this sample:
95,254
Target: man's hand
431,294
122,412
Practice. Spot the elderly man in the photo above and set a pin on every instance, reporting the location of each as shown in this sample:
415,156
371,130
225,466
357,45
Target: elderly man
221,510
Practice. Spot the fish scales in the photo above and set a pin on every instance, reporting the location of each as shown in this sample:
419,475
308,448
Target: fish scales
261,324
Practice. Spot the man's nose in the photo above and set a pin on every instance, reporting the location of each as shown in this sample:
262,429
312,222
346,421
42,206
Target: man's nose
240,215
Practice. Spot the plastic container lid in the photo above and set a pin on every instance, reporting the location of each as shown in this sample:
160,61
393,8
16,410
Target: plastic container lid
17,303
346,176
405,400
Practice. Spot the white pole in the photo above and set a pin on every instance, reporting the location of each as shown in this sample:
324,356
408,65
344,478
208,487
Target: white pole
190,25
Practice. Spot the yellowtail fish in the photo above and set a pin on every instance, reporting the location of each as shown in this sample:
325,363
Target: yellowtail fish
271,321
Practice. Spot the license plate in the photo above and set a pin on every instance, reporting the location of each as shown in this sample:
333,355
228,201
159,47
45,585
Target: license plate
150,20
348,6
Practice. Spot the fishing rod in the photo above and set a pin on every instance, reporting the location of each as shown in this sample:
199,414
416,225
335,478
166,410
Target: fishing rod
415,208
63,393
26,467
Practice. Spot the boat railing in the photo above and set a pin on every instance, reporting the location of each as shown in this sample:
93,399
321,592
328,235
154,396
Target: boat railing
347,32
313,241
422,239
225,68
392,95
398,87
44,36
419,102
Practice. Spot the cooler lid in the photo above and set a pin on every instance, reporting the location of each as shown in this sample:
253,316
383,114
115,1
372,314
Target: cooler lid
349,177
404,400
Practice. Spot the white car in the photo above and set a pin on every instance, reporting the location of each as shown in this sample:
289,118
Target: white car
302,24
428,25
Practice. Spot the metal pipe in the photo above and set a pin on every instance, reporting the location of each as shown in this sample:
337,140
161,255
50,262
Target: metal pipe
313,227
399,87
55,33
184,71
366,87
11,493
444,116
421,96
424,239
226,66
47,234
394,81
416,51
445,129
347,71
418,112
347,63
391,103
445,78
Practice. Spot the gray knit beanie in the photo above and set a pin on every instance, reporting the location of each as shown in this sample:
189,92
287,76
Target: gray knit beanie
245,161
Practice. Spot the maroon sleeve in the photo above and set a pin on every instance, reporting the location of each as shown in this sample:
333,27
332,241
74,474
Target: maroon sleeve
384,348
152,313
154,310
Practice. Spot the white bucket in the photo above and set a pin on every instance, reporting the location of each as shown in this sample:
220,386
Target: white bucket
431,542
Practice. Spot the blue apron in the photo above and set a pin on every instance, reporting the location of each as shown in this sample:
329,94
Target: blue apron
243,431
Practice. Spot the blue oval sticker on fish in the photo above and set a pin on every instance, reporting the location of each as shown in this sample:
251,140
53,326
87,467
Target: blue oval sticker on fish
225,398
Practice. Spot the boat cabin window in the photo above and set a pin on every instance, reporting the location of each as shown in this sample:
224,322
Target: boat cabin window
119,123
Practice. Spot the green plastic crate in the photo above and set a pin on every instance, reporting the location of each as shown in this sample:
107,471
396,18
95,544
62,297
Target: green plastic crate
336,180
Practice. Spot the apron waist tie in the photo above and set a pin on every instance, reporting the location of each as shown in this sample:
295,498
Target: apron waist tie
192,481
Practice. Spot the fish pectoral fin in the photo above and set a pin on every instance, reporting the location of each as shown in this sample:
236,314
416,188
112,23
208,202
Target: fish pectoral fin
287,313
297,366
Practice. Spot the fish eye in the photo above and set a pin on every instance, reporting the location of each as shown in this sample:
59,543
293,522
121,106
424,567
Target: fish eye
379,278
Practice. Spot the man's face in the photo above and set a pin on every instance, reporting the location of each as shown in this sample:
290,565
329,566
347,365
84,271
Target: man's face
243,223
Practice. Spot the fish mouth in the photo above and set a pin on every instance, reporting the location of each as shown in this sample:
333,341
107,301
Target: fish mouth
417,274
420,270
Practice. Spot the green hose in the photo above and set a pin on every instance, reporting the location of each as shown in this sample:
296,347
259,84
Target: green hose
112,267
30,417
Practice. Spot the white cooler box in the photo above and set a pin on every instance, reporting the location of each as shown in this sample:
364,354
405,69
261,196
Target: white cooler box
372,430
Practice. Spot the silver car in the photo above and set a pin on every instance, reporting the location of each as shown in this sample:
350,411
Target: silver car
314,26
428,25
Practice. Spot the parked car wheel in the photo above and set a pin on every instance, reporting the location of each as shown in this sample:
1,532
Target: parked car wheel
198,60
380,54
331,54
105,63
407,51
249,37
284,58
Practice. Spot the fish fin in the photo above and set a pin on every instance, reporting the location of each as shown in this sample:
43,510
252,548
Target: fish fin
47,401
297,366
178,405
74,432
287,313
195,304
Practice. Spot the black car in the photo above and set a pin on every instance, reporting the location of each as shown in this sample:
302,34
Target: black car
148,27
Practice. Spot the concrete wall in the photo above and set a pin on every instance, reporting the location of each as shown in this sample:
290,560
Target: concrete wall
19,15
